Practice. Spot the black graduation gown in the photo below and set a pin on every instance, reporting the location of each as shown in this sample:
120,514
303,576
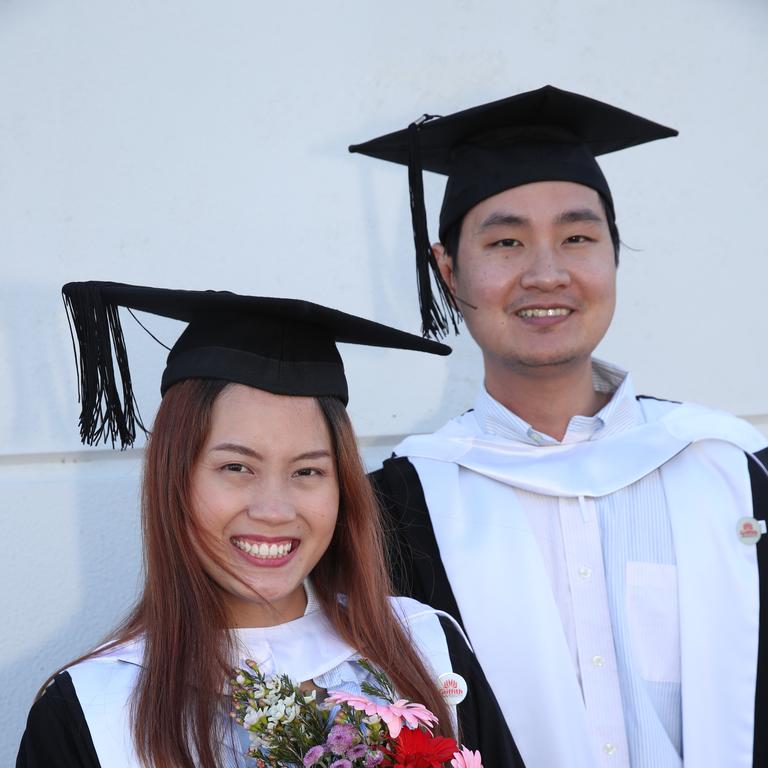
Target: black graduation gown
57,735
418,572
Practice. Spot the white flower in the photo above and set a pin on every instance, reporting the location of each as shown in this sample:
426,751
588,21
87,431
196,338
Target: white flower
290,714
252,716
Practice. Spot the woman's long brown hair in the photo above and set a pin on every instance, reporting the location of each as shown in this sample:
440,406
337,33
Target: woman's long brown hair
177,705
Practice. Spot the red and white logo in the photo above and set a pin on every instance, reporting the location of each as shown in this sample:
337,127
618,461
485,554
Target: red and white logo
750,530
453,687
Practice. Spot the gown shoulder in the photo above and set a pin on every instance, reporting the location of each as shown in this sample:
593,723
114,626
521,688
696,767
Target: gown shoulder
57,734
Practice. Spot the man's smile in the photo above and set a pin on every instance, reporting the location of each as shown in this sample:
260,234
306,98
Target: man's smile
544,312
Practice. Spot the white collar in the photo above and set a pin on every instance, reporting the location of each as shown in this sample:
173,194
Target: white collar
621,412
303,649
582,469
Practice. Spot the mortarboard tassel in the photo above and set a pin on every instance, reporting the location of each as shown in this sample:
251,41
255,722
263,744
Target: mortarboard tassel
435,312
96,324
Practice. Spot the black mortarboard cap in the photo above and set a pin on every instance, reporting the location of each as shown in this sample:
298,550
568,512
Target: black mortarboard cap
285,346
542,135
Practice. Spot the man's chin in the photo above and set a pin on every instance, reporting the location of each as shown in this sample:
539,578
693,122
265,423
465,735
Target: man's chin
553,361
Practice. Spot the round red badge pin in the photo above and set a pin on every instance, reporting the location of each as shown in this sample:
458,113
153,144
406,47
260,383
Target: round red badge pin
453,687
750,530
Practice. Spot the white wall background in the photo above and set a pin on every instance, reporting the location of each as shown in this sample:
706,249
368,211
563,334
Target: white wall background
194,144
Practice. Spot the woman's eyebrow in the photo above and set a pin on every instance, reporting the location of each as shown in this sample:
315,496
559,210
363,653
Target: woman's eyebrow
237,448
244,450
319,454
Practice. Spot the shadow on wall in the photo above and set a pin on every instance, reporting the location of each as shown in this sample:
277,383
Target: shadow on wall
71,568
38,390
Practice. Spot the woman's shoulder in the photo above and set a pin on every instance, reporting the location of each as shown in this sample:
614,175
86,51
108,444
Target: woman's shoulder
102,685
414,613
57,732
427,628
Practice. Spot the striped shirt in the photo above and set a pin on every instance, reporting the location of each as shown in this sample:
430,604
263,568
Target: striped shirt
611,563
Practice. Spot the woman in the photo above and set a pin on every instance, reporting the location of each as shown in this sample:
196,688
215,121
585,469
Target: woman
257,517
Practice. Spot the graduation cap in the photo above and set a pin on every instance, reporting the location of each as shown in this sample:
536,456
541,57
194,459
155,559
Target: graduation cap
285,346
542,135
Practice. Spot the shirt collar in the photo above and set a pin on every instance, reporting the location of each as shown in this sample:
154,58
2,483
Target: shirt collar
621,412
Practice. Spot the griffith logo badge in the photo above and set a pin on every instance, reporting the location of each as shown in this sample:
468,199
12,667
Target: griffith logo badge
750,530
453,687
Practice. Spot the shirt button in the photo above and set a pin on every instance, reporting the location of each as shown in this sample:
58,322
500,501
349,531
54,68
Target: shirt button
609,749
585,572
536,437
597,661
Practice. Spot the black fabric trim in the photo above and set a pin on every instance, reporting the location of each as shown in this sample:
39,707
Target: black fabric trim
481,722
414,557
658,399
760,511
57,734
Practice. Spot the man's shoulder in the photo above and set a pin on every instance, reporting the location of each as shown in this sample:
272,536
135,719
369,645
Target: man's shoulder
696,420
398,489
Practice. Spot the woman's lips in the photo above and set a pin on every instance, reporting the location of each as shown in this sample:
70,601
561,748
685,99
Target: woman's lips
270,551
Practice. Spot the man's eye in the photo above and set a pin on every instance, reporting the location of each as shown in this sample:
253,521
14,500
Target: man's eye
507,242
579,239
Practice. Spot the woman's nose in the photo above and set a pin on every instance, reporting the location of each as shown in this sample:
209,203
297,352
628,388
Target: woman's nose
271,503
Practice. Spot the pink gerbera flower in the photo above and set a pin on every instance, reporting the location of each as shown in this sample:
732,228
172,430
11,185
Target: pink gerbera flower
466,759
393,715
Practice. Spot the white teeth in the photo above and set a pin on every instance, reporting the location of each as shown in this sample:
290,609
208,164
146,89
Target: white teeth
264,550
556,312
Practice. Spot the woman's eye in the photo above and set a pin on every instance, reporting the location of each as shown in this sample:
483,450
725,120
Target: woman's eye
307,472
235,468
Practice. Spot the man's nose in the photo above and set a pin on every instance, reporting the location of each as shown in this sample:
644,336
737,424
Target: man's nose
546,270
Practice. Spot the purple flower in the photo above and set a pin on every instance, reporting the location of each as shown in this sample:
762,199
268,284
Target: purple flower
358,750
313,755
341,738
373,758
340,764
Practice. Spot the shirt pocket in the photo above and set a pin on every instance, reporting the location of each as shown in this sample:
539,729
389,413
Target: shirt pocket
653,620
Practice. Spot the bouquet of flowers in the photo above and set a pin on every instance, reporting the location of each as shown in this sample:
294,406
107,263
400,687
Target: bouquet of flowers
288,728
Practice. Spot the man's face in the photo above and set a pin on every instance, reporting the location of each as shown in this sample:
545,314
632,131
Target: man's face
538,265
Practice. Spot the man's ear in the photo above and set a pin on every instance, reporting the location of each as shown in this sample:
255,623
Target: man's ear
445,265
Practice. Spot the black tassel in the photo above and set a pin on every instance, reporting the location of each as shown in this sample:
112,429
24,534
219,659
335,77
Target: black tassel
435,311
96,325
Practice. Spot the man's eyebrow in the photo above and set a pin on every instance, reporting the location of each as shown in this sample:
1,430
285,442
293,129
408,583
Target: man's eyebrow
579,215
503,219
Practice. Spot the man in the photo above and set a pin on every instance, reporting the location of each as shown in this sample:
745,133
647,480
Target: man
602,550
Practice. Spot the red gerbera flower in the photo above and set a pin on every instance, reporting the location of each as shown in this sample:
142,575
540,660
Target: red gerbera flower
418,749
